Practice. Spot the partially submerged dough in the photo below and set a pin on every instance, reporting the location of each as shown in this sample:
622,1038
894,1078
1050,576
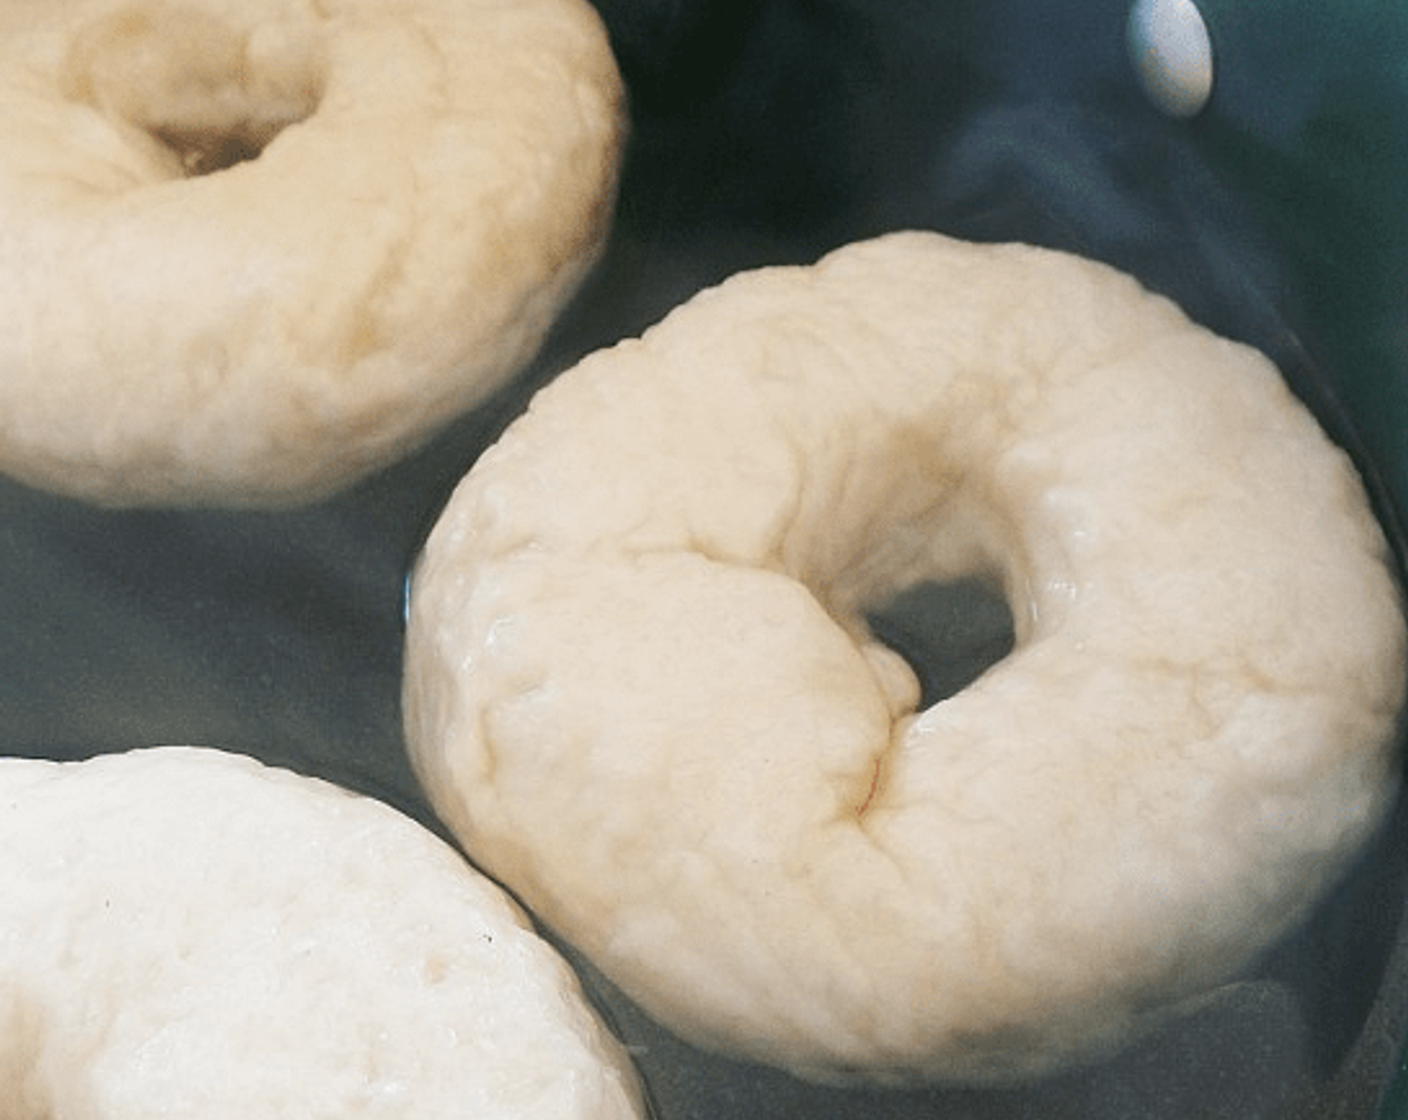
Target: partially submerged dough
253,250
641,690
188,933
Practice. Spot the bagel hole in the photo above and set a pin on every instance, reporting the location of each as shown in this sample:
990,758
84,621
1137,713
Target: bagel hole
210,93
949,632
206,151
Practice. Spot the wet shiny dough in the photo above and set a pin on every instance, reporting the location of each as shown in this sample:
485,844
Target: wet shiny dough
186,932
256,249
641,691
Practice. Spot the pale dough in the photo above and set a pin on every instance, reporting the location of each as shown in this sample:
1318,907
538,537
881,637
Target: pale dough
253,250
640,688
187,933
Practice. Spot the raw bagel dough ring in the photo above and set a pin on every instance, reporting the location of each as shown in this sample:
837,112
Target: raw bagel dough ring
433,180
189,933
640,689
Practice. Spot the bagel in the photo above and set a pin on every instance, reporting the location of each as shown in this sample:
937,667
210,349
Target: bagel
254,250
641,690
187,932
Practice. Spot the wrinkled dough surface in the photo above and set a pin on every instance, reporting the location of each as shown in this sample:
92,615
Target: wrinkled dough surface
250,252
188,933
640,686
